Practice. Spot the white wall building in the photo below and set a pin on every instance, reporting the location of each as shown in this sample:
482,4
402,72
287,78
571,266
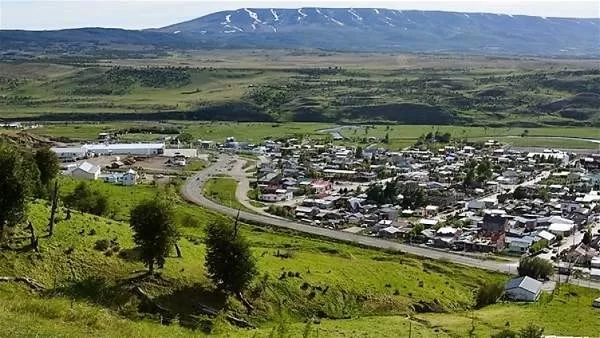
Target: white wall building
86,171
70,153
139,149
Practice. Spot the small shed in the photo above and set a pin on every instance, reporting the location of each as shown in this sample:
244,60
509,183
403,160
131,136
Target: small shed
523,289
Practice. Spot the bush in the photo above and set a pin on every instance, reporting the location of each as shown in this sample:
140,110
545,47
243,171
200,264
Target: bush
488,293
83,198
102,244
535,267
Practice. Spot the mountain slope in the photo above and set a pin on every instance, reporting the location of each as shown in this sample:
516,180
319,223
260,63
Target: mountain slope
385,29
344,29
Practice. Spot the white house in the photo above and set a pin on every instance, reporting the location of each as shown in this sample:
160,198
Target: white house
86,171
523,289
130,177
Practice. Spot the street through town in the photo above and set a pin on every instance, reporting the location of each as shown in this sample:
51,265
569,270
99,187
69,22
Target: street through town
192,191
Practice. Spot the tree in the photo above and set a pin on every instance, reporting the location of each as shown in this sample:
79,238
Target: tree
386,138
15,187
535,267
155,232
358,152
587,238
185,138
506,333
84,199
229,262
48,165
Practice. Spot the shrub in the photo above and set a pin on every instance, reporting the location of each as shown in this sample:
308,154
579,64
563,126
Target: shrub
488,293
102,244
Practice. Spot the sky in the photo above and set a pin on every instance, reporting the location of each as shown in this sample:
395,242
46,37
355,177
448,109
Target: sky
138,14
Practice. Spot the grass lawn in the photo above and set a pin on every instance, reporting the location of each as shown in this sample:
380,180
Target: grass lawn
222,190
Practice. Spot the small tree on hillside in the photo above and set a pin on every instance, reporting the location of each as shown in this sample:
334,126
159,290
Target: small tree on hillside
15,187
535,267
47,163
488,293
229,262
154,231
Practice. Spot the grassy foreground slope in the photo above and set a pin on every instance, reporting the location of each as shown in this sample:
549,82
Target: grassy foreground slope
369,293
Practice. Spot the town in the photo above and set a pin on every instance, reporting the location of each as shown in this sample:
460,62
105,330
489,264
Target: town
478,199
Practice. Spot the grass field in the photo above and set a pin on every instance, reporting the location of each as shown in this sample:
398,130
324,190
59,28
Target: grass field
389,285
222,190
400,135
265,86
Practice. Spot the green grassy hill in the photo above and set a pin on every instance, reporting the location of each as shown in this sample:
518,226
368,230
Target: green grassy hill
345,290
205,90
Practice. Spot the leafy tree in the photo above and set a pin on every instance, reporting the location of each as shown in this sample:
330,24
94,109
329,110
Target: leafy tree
587,238
155,232
531,331
538,246
185,138
488,293
386,138
229,262
15,187
358,152
48,165
484,171
535,267
84,199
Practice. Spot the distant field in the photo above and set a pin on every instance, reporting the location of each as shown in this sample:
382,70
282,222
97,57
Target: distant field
305,86
400,136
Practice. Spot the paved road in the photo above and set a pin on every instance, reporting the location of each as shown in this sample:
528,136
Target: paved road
192,191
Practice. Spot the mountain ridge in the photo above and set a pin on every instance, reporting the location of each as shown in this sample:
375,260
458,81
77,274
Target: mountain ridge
345,29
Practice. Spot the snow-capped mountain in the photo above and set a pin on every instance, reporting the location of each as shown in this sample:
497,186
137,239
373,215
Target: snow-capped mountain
342,29
388,29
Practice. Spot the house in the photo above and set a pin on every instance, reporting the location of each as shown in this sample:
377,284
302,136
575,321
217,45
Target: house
86,171
494,223
321,187
520,245
523,288
563,229
389,232
269,179
130,177
431,210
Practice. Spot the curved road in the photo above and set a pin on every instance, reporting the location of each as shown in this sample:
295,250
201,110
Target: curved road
192,191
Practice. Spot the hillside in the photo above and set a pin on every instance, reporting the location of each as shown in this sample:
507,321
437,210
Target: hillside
88,285
342,29
551,93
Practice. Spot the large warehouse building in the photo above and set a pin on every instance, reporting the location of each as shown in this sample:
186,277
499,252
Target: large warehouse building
139,149
135,149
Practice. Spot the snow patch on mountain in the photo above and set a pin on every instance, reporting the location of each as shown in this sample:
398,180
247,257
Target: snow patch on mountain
253,15
354,14
275,14
336,21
